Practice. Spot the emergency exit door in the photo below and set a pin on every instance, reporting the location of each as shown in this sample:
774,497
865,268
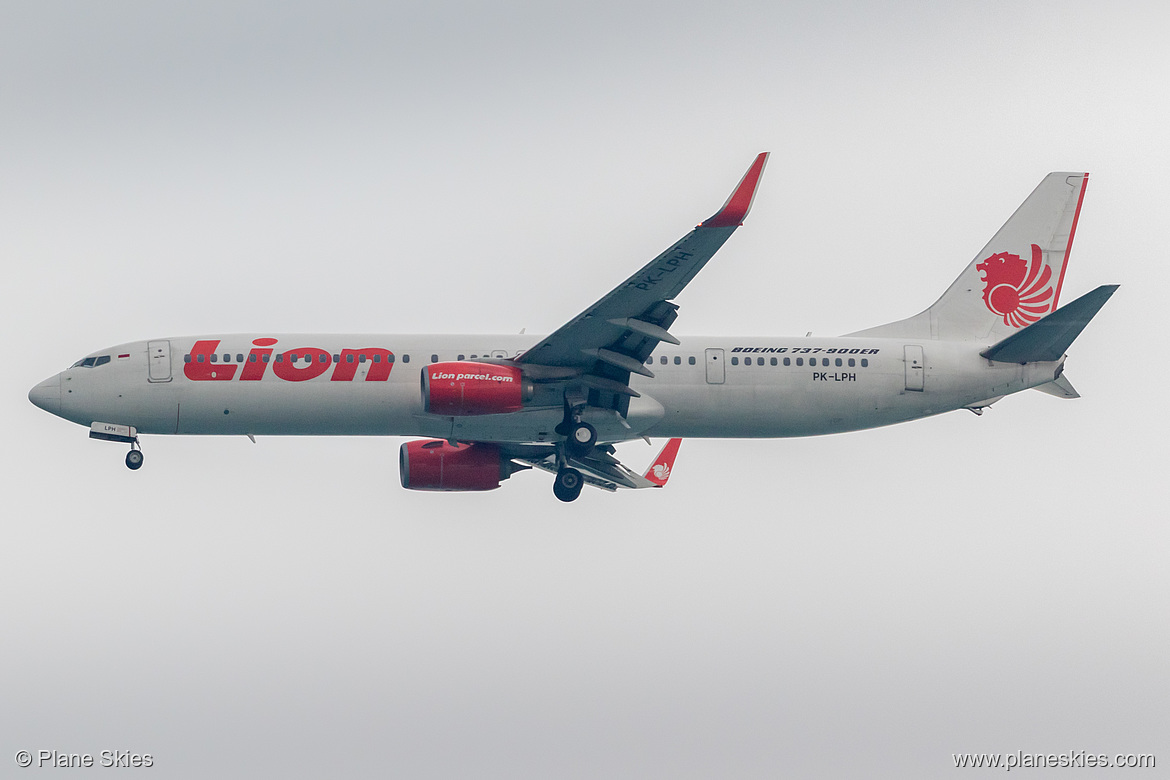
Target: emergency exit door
158,355
715,371
915,368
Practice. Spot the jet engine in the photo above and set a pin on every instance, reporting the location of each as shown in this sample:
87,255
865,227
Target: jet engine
434,464
465,388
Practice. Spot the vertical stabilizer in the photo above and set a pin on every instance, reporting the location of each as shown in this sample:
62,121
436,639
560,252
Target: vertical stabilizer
1015,280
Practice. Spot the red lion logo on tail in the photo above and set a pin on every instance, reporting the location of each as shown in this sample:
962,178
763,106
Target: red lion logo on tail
1016,289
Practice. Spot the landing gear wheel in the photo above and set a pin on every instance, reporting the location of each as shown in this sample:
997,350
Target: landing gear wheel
134,460
567,485
582,437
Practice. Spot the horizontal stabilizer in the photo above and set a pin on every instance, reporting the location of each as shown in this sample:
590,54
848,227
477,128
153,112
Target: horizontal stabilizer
1048,339
1059,387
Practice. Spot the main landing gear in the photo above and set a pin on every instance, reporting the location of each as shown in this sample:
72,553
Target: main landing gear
580,438
134,457
568,483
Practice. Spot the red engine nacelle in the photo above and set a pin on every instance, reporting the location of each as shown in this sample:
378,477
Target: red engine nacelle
465,388
434,464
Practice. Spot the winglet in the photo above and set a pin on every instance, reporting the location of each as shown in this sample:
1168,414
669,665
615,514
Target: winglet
736,209
659,471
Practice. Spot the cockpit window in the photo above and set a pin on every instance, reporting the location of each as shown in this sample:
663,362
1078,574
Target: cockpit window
90,362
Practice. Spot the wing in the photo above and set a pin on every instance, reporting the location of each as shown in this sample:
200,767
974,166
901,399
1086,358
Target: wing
611,339
600,468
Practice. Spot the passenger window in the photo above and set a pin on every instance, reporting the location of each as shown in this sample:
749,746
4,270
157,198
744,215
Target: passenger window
227,358
691,360
460,357
434,358
735,361
787,361
405,358
390,359
677,360
265,358
662,360
199,359
323,359
773,361
280,357
348,358
864,362
852,362
837,361
239,357
187,358
362,358
800,361
214,358
377,358
650,360
251,357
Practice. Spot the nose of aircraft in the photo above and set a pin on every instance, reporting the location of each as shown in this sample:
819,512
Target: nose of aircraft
47,395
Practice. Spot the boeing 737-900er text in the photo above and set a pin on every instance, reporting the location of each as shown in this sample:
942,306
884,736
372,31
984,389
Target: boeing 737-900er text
493,405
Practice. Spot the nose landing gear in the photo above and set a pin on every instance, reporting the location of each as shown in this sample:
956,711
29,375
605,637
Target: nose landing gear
134,460
134,457
123,434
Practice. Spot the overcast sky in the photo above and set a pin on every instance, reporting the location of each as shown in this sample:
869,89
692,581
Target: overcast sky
856,605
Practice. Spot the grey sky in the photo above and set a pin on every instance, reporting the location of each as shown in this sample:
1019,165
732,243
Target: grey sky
856,605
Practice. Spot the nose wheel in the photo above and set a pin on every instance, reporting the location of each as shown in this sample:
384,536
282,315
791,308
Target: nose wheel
134,459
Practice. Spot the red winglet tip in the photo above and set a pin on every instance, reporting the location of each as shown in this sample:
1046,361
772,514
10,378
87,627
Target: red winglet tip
736,209
659,471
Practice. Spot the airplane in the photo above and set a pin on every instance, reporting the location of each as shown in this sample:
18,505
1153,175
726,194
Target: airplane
489,406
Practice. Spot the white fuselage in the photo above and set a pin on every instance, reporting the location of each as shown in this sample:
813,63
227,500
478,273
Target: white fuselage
704,387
